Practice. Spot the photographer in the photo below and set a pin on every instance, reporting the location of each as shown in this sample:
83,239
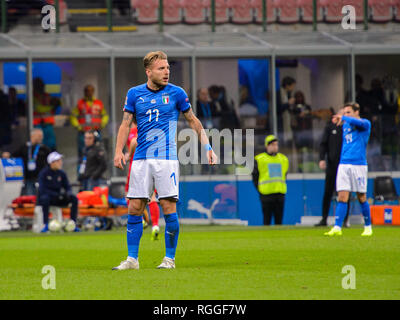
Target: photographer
55,190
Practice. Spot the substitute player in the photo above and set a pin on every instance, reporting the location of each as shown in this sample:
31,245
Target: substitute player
155,107
352,172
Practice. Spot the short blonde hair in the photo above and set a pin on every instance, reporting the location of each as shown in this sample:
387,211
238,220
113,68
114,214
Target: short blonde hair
153,56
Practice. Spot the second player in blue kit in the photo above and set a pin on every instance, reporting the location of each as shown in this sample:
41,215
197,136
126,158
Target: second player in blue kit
352,172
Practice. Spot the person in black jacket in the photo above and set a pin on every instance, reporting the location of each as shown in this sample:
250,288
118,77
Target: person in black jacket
206,110
34,155
330,149
54,189
93,164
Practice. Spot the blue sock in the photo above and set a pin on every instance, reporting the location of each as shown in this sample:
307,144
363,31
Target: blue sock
134,231
341,211
366,213
171,234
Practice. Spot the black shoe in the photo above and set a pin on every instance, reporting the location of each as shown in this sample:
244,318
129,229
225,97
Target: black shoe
322,223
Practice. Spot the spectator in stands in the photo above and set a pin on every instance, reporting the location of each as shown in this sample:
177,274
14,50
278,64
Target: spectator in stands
246,109
285,101
301,123
16,105
93,164
206,111
89,114
248,112
34,155
55,190
218,97
269,178
43,112
362,98
384,117
6,120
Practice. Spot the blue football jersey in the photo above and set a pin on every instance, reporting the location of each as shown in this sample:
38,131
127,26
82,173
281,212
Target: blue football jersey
157,114
355,139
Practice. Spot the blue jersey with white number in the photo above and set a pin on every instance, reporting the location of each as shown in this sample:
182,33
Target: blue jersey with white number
355,139
157,114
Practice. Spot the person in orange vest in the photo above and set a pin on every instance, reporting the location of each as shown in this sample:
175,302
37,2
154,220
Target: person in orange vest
44,107
89,114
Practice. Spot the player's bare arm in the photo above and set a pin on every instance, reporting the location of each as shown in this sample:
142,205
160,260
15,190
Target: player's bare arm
122,137
132,148
196,125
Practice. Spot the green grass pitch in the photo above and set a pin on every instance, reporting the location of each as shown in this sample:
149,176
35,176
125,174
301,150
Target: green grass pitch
213,262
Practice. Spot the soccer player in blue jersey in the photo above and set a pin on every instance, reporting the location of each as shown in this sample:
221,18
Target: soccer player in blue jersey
155,107
352,172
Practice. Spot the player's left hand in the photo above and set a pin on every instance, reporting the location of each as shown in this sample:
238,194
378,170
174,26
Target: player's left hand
337,119
119,160
212,157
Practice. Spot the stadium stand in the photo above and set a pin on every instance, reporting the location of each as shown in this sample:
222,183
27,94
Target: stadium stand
381,10
194,11
258,7
306,11
242,11
63,9
332,10
146,11
92,16
396,9
287,11
172,11
359,6
221,11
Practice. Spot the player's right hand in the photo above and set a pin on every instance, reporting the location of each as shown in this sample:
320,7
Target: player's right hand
119,160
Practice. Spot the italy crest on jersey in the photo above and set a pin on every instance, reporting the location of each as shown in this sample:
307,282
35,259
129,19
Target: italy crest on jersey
165,98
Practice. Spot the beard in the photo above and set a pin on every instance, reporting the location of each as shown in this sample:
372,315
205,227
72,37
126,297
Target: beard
158,82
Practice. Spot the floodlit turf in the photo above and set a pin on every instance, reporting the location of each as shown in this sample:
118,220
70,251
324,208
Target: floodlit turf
213,262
